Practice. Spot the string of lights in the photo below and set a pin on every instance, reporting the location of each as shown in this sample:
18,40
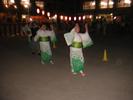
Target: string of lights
51,15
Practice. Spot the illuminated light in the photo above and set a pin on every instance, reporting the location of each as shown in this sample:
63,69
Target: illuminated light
114,17
79,17
83,17
75,18
90,16
111,2
55,15
6,6
65,18
70,18
48,14
23,16
38,10
25,3
43,12
127,1
61,17
26,6
15,6
111,14
103,3
31,19
93,3
12,1
96,17
99,17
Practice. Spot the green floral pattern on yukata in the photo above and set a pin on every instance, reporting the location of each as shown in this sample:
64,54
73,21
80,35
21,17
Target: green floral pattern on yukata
77,65
46,57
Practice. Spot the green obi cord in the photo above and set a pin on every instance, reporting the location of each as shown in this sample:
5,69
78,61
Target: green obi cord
77,65
46,57
77,44
43,39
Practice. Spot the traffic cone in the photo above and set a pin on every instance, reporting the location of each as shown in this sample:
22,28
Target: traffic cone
105,58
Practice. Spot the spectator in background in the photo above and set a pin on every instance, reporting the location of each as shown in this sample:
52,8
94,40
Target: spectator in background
34,45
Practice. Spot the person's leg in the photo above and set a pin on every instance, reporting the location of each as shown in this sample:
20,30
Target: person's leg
82,73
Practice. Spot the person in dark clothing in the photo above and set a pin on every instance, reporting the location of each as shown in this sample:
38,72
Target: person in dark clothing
34,45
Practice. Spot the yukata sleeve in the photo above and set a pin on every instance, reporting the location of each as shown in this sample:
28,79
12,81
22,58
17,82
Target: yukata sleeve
69,37
86,40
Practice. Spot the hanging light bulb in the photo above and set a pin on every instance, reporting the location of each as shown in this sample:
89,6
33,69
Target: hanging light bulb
43,12
48,14
90,16
61,17
79,18
55,15
83,17
70,18
65,18
75,18
38,10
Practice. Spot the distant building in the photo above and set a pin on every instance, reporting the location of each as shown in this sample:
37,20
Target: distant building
20,10
107,8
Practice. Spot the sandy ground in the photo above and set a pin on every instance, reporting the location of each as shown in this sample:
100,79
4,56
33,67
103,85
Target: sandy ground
23,77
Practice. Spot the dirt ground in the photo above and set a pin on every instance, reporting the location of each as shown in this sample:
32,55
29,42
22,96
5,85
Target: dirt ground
23,77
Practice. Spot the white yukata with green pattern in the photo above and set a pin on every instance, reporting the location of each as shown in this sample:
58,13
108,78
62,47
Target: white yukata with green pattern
44,37
76,43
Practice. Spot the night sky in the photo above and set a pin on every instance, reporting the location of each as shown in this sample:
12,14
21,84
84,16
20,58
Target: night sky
64,6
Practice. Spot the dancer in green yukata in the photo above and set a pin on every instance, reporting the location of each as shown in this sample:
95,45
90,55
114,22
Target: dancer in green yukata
77,41
44,36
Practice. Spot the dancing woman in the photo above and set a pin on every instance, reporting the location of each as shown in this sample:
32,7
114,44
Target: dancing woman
44,37
77,41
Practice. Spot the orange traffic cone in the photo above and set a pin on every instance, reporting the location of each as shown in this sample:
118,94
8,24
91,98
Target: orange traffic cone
105,58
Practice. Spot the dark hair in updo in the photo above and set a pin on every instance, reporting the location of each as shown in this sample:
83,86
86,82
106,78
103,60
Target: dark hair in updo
82,27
